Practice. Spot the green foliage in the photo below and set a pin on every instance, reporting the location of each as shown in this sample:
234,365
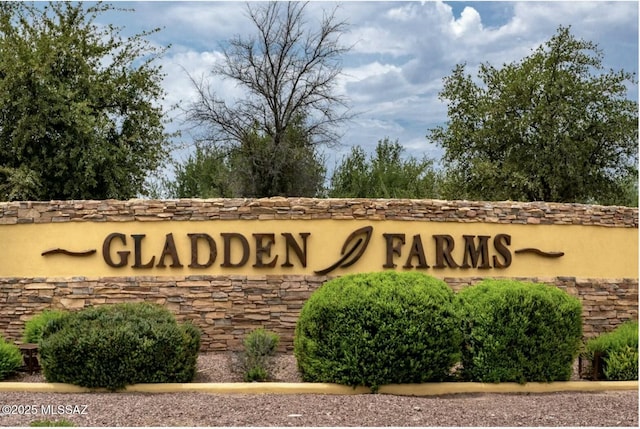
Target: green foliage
553,127
34,326
10,358
379,328
518,332
259,347
620,351
622,364
287,166
260,342
18,183
79,113
256,167
384,175
628,195
624,335
204,174
52,423
112,346
256,373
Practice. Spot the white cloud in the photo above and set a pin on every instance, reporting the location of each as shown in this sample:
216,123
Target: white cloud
200,24
180,66
375,40
372,82
403,14
401,52
469,22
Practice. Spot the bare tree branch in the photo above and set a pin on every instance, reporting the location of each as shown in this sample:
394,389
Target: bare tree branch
289,72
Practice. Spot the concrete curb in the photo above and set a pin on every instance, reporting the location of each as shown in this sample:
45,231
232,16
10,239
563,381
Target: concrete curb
427,389
424,389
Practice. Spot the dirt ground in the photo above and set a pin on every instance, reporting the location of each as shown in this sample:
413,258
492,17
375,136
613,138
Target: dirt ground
613,408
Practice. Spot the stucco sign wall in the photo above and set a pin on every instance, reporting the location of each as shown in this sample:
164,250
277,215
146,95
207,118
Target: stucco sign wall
232,265
317,246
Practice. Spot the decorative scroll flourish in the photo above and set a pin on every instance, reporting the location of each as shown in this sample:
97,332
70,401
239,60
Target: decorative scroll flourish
352,244
68,252
540,252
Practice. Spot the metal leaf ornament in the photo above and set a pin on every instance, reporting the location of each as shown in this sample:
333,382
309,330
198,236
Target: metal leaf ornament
352,249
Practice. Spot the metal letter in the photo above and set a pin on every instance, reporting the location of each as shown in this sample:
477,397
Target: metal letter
393,249
293,244
473,252
444,246
213,251
500,243
416,251
137,252
227,236
264,249
106,250
170,249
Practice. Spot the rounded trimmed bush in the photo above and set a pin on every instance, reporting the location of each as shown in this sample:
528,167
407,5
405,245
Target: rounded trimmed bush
112,346
378,328
33,327
10,358
518,332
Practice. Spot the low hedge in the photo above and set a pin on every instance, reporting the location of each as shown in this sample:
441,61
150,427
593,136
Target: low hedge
619,349
378,328
112,346
10,358
518,332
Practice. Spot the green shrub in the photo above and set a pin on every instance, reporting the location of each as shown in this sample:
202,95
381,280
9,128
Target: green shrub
619,349
112,346
378,328
33,327
261,343
621,364
259,347
10,358
256,373
518,332
625,334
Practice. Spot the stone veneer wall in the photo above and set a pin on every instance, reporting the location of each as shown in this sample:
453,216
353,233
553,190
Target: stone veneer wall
228,307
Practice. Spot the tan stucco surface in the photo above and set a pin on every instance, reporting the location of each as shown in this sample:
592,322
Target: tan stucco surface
589,251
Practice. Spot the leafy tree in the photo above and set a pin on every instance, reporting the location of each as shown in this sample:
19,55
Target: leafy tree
384,175
18,183
291,168
552,127
205,174
628,196
78,118
291,107
255,167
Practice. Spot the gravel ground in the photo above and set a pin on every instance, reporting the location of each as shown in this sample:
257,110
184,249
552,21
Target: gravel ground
614,408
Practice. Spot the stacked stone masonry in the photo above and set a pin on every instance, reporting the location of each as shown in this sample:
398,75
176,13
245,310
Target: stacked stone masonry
226,308
312,208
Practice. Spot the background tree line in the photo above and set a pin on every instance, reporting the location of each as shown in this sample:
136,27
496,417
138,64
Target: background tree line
80,118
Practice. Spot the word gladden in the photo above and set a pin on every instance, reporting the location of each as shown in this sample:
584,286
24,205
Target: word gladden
262,254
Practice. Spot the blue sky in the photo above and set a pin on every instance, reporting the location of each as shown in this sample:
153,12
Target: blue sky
401,52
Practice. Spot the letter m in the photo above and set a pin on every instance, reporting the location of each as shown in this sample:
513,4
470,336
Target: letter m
473,252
